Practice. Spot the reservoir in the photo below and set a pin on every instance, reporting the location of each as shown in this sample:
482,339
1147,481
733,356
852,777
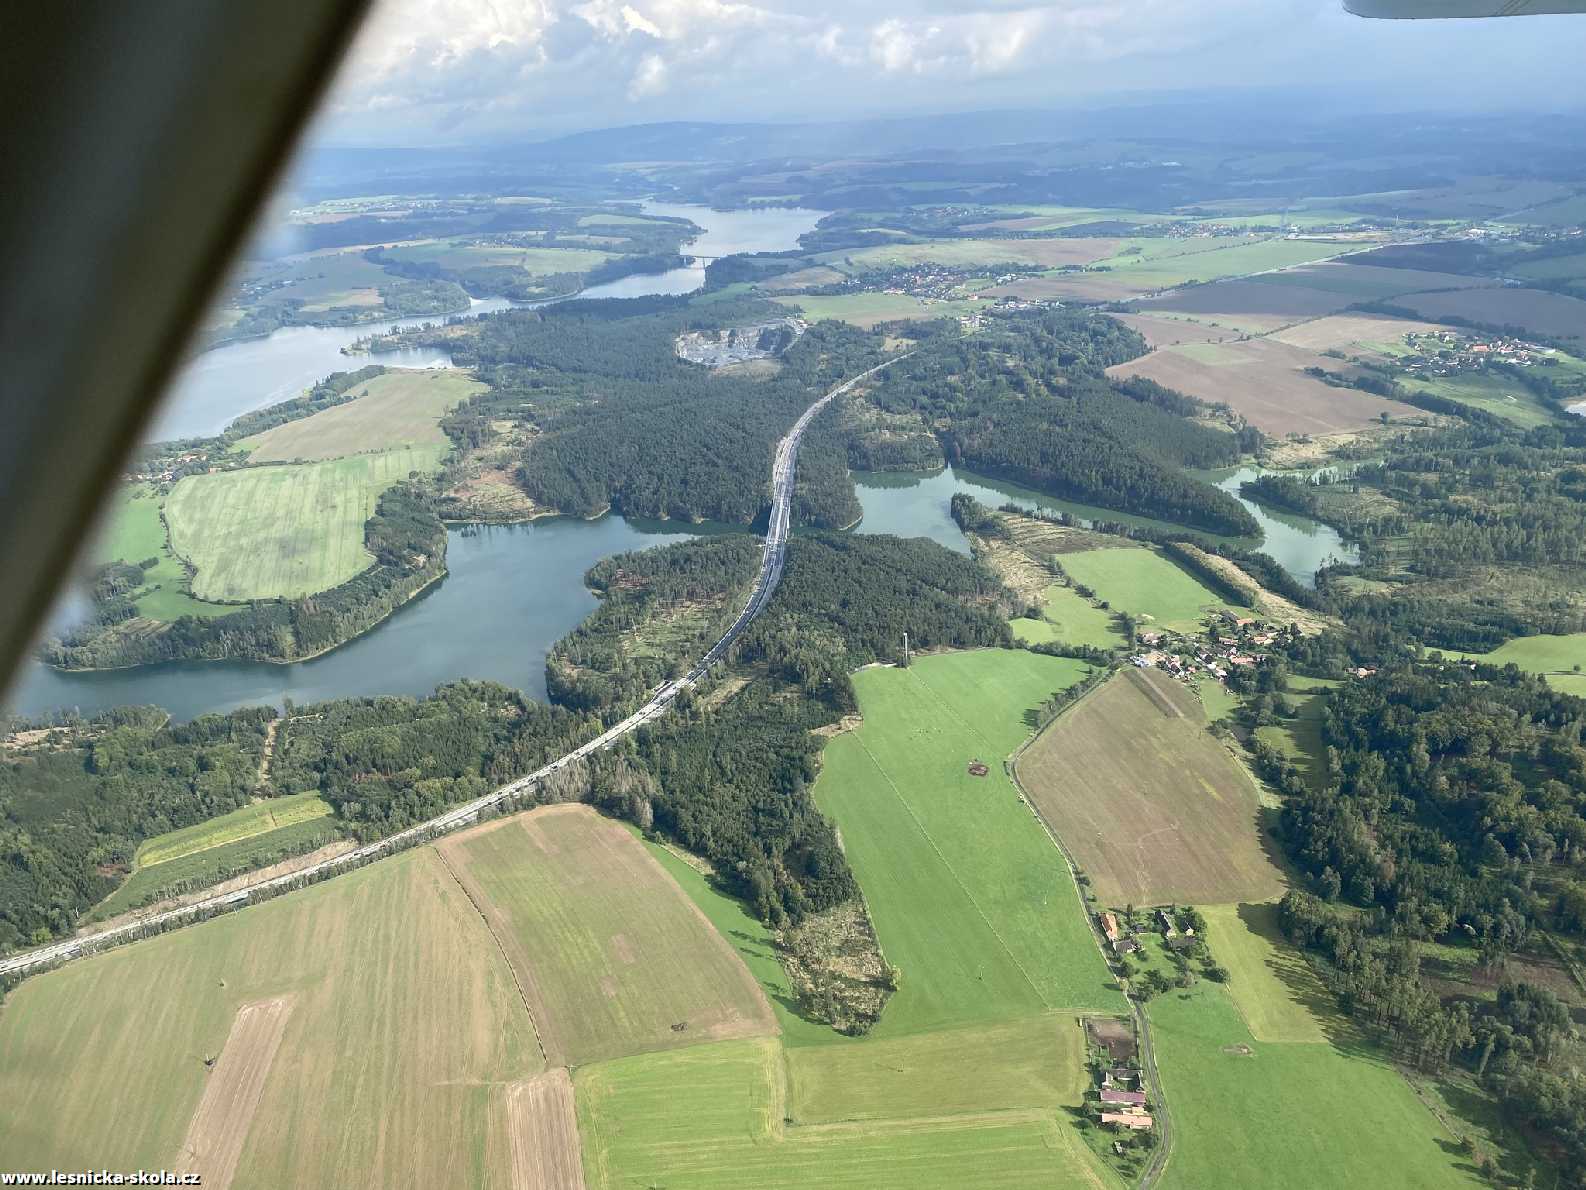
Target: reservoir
915,504
512,590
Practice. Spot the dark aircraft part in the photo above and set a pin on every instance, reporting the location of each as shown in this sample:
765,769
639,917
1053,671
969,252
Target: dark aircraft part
1439,9
139,140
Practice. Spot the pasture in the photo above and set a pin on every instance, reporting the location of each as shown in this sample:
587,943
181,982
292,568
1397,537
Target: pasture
399,408
1536,311
404,1030
132,531
1562,659
1273,987
1152,807
1494,393
263,532
714,1116
1069,617
1144,583
968,895
201,869
974,254
1300,738
1287,1116
1265,381
865,310
257,818
612,957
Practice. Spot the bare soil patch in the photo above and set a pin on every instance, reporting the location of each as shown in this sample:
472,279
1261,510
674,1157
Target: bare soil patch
543,1129
220,1123
1265,381
1346,332
1252,304
1113,1035
1160,331
1152,807
1366,282
1095,287
803,279
1539,312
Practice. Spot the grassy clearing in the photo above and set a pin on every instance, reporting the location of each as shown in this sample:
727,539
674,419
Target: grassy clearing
1144,583
613,957
264,532
968,896
1069,617
713,1116
866,309
134,532
1561,658
255,819
537,262
1032,1063
214,864
401,408
1494,394
1287,1116
405,1025
1153,808
1272,985
1300,738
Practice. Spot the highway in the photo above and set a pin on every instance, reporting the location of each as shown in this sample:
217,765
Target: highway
772,557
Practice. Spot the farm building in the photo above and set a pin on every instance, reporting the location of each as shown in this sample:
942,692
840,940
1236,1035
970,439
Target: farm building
1123,1098
1109,926
1118,1119
1125,946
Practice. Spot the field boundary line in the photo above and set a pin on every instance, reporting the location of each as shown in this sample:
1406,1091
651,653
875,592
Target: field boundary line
1164,1150
501,946
957,879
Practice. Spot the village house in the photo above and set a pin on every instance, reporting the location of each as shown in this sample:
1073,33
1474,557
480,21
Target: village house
1109,926
1123,1098
1138,1121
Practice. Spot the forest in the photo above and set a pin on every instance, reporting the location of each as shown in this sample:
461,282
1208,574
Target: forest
1027,399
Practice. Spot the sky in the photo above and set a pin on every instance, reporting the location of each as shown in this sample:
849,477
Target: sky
464,72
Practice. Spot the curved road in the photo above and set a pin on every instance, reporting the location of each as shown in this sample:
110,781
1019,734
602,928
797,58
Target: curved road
771,561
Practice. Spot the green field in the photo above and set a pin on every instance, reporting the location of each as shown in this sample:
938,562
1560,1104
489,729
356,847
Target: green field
970,254
537,262
714,1116
399,408
264,532
404,1029
867,309
1144,583
1273,987
1163,263
133,532
1300,738
1508,399
1561,658
968,895
200,869
255,819
1287,1116
1069,617
326,281
613,957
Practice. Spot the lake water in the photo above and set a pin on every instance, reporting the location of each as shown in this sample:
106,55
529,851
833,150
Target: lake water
512,591
915,504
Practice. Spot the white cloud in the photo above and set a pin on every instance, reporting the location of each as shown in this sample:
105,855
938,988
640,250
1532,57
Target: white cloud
493,68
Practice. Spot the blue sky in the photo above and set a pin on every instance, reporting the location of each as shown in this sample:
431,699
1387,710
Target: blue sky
465,71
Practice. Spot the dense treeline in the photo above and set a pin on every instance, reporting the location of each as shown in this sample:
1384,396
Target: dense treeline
659,610
74,809
823,494
407,540
387,763
1028,400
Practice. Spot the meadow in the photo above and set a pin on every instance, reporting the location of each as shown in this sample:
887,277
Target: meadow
103,1062
200,869
399,408
1275,990
968,896
133,532
1300,738
1507,398
612,957
714,1116
974,254
536,262
263,532
1287,1115
257,818
1562,659
1069,617
1144,583
1152,807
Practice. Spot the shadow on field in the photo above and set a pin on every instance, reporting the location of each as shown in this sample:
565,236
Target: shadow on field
1290,968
